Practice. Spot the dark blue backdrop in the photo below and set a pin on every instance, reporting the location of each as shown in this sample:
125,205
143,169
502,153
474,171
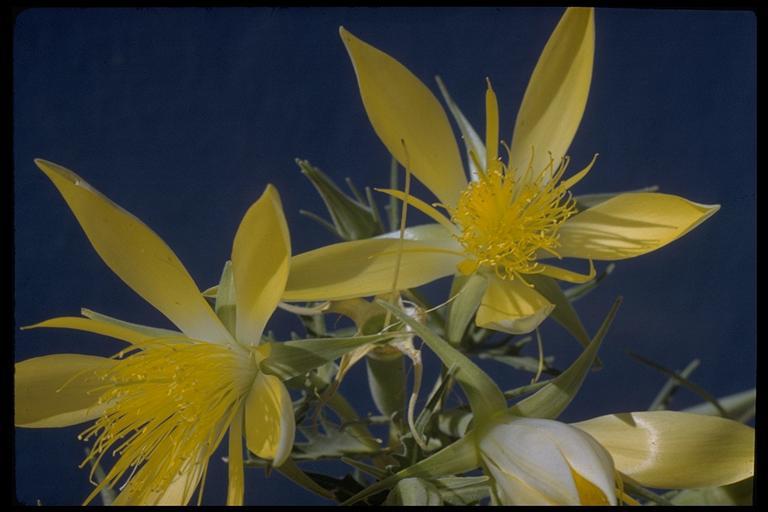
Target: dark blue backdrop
182,116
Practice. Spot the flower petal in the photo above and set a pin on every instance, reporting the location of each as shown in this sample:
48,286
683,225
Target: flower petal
261,256
629,225
269,421
408,119
674,450
138,256
556,95
511,306
367,267
58,390
177,493
121,331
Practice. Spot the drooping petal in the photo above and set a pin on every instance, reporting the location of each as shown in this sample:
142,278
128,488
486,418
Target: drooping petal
58,390
138,256
261,256
179,492
367,267
629,225
113,330
556,95
511,306
269,421
674,450
408,119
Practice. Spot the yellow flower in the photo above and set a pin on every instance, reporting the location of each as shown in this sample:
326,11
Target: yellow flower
163,404
511,216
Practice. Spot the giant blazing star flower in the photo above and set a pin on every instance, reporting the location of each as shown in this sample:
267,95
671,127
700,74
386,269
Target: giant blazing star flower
163,405
510,216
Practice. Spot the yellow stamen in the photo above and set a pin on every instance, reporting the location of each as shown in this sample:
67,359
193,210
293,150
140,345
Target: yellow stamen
172,401
506,221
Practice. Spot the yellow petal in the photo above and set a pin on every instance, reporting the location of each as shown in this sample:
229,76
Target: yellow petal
556,95
236,480
629,225
420,205
674,450
138,256
511,306
261,255
58,390
269,421
367,267
120,332
404,112
178,492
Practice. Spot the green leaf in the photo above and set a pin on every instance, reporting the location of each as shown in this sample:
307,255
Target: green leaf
739,406
352,219
463,490
739,493
332,443
293,472
470,292
574,293
293,358
386,380
551,400
485,397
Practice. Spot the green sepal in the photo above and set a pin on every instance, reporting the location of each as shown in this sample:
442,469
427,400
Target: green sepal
352,220
459,457
551,400
740,493
485,397
470,290
413,492
226,302
386,380
293,358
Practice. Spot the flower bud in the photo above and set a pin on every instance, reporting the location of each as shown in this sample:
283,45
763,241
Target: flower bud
545,462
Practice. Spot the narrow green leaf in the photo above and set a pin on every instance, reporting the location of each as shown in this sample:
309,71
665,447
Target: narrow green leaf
551,400
574,293
668,389
468,292
485,397
386,380
738,406
293,472
293,358
463,490
352,219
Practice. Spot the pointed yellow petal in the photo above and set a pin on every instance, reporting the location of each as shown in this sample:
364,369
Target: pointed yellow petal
423,207
403,110
138,256
120,332
261,255
556,95
367,267
629,225
269,421
512,307
236,480
568,275
58,390
179,491
674,450
491,128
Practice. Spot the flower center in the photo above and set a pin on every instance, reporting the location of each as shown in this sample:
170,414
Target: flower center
171,403
506,220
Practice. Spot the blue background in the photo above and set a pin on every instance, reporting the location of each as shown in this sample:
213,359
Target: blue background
182,116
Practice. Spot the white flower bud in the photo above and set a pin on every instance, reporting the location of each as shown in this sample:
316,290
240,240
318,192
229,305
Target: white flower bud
546,462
